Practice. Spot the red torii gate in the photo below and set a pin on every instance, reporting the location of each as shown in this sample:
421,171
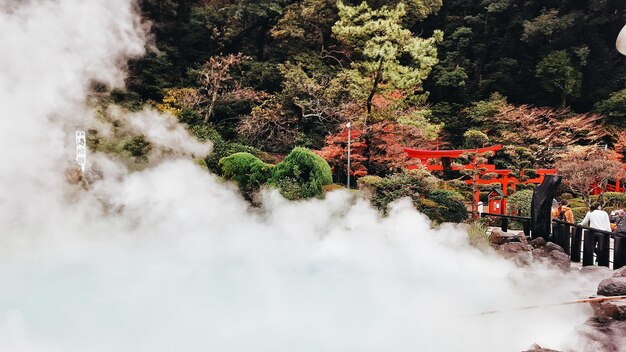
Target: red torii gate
504,178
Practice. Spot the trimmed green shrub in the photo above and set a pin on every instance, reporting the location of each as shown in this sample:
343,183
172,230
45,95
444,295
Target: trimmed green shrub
449,206
421,187
221,148
301,175
520,202
579,213
414,184
614,199
247,170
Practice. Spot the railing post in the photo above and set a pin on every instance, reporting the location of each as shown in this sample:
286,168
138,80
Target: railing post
588,247
604,243
526,228
576,242
619,252
505,224
566,234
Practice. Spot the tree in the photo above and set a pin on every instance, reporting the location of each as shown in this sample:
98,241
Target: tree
475,139
301,175
519,202
543,131
247,170
559,75
582,167
388,56
613,108
215,77
377,149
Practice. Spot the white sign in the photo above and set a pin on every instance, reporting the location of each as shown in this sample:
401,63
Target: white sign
81,149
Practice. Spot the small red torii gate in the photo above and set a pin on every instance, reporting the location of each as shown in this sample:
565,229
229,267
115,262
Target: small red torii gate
504,178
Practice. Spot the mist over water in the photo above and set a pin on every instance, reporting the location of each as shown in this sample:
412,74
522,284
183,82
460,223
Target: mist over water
172,259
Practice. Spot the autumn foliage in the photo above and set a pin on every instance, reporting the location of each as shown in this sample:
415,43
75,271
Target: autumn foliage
376,149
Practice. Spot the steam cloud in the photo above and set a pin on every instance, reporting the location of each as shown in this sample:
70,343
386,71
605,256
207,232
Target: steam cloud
172,259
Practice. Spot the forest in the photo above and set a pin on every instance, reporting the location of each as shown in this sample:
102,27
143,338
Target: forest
273,84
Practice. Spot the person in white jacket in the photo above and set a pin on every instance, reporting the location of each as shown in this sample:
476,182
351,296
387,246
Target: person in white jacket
597,218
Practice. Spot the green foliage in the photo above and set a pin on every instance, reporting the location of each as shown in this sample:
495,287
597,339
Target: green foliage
547,24
559,75
448,206
301,175
390,55
475,139
414,184
520,202
247,170
477,234
421,187
611,199
613,108
138,147
221,147
579,213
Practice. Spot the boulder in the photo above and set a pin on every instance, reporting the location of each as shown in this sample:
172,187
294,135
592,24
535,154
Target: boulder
517,251
621,272
499,237
560,259
597,271
538,242
550,246
537,348
611,309
612,286
601,334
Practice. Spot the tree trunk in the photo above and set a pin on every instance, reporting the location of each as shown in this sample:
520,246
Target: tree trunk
213,100
379,73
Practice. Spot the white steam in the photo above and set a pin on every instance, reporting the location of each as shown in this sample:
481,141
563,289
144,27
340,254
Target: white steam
172,259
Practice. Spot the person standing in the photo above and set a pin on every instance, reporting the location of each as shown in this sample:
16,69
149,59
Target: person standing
564,213
620,221
597,218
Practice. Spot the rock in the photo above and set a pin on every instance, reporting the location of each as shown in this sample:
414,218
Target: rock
499,237
537,348
601,334
612,286
550,246
538,242
517,251
593,270
611,309
621,272
539,253
560,259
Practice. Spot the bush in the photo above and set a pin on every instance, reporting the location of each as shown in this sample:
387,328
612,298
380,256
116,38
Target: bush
579,213
614,199
247,170
221,148
478,234
414,184
475,139
449,206
520,202
301,175
577,203
566,195
138,147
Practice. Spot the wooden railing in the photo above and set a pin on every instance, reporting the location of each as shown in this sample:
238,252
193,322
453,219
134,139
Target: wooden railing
590,245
